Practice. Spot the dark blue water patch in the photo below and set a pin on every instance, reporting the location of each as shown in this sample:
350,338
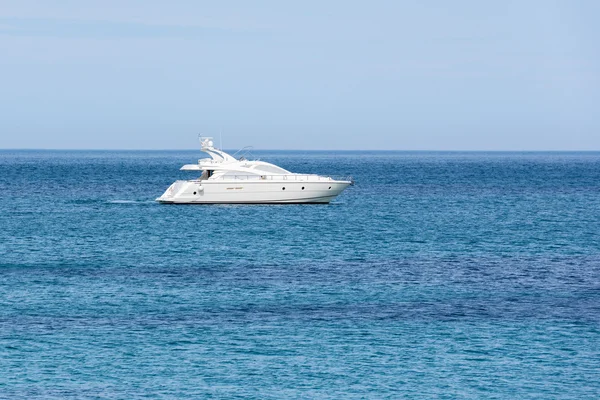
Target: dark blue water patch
450,275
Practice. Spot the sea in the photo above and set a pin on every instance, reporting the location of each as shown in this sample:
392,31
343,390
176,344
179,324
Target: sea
449,275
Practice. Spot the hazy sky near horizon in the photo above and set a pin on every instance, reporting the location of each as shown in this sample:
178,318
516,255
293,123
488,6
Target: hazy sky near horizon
428,75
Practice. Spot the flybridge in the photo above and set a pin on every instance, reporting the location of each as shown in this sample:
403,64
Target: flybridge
207,146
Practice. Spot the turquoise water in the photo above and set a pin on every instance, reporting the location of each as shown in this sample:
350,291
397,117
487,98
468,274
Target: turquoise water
450,275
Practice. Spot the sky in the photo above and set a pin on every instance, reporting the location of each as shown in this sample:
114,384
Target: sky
347,75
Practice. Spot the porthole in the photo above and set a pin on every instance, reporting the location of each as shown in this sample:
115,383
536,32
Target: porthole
282,188
329,187
302,187
194,192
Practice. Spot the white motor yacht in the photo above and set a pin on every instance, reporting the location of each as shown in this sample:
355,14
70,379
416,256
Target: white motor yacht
226,179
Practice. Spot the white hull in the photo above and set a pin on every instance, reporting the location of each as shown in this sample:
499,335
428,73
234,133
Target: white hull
252,192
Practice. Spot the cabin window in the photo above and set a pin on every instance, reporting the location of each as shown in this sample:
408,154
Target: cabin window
302,187
194,192
270,169
209,173
283,188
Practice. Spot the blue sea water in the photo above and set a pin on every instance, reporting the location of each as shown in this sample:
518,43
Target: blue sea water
447,275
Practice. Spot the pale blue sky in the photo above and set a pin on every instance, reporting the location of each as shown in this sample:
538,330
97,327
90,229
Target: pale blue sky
439,75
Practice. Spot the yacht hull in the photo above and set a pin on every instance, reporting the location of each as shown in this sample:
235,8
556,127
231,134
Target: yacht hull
206,192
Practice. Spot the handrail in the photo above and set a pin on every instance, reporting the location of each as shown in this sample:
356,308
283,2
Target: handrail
283,177
245,153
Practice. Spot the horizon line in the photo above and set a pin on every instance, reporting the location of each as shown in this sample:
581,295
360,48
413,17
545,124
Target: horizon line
320,150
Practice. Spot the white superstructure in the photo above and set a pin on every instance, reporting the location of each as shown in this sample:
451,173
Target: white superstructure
228,180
